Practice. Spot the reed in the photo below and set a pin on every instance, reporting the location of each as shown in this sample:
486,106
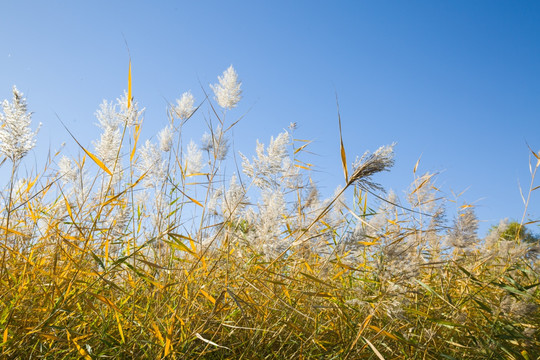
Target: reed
156,250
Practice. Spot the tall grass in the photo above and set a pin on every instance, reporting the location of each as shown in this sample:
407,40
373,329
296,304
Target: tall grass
156,250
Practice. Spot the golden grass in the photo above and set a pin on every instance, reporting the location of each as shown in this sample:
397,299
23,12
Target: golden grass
75,283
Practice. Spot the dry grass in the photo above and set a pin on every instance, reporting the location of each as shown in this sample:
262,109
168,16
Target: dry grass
92,270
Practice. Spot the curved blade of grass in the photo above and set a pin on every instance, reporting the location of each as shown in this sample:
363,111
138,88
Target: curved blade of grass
373,348
92,156
210,342
135,141
342,148
80,350
360,331
416,165
183,193
11,231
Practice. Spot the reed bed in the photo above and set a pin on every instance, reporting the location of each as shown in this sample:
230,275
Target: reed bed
157,250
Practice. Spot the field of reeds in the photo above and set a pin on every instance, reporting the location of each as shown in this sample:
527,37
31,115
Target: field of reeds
155,250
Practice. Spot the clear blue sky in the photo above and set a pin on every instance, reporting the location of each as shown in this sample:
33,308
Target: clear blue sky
456,82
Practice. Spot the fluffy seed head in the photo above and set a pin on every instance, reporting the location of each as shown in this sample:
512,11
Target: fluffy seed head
165,137
151,164
216,143
228,92
184,106
16,137
369,164
194,156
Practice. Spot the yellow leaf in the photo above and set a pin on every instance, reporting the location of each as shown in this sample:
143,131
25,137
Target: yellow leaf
129,86
157,332
135,140
373,348
416,165
301,147
342,148
68,207
106,301
339,274
421,185
190,198
367,243
208,296
537,156
302,167
286,293
178,244
92,156
195,174
376,328
50,337
306,164
344,161
168,342
81,351
365,204
360,331
167,346
107,250
119,327
5,337
97,161
11,231
31,183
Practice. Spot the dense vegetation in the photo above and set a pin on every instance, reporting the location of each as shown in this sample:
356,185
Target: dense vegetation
154,250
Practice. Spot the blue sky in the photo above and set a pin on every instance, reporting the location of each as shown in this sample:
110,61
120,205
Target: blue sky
455,82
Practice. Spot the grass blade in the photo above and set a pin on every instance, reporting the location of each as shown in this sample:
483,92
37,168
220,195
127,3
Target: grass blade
342,148
92,156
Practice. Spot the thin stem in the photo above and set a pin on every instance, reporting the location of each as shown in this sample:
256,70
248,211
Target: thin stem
533,174
13,168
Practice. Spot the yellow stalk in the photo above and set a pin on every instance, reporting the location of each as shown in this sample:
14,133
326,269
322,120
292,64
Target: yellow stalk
119,326
129,86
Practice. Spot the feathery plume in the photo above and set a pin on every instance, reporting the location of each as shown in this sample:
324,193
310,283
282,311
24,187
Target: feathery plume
184,106
129,113
369,164
151,164
165,137
216,143
463,235
66,169
193,159
16,137
228,92
267,166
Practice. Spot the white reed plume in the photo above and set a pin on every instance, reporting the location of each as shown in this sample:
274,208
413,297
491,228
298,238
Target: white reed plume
194,156
185,106
16,137
110,139
151,164
165,137
228,92
216,143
